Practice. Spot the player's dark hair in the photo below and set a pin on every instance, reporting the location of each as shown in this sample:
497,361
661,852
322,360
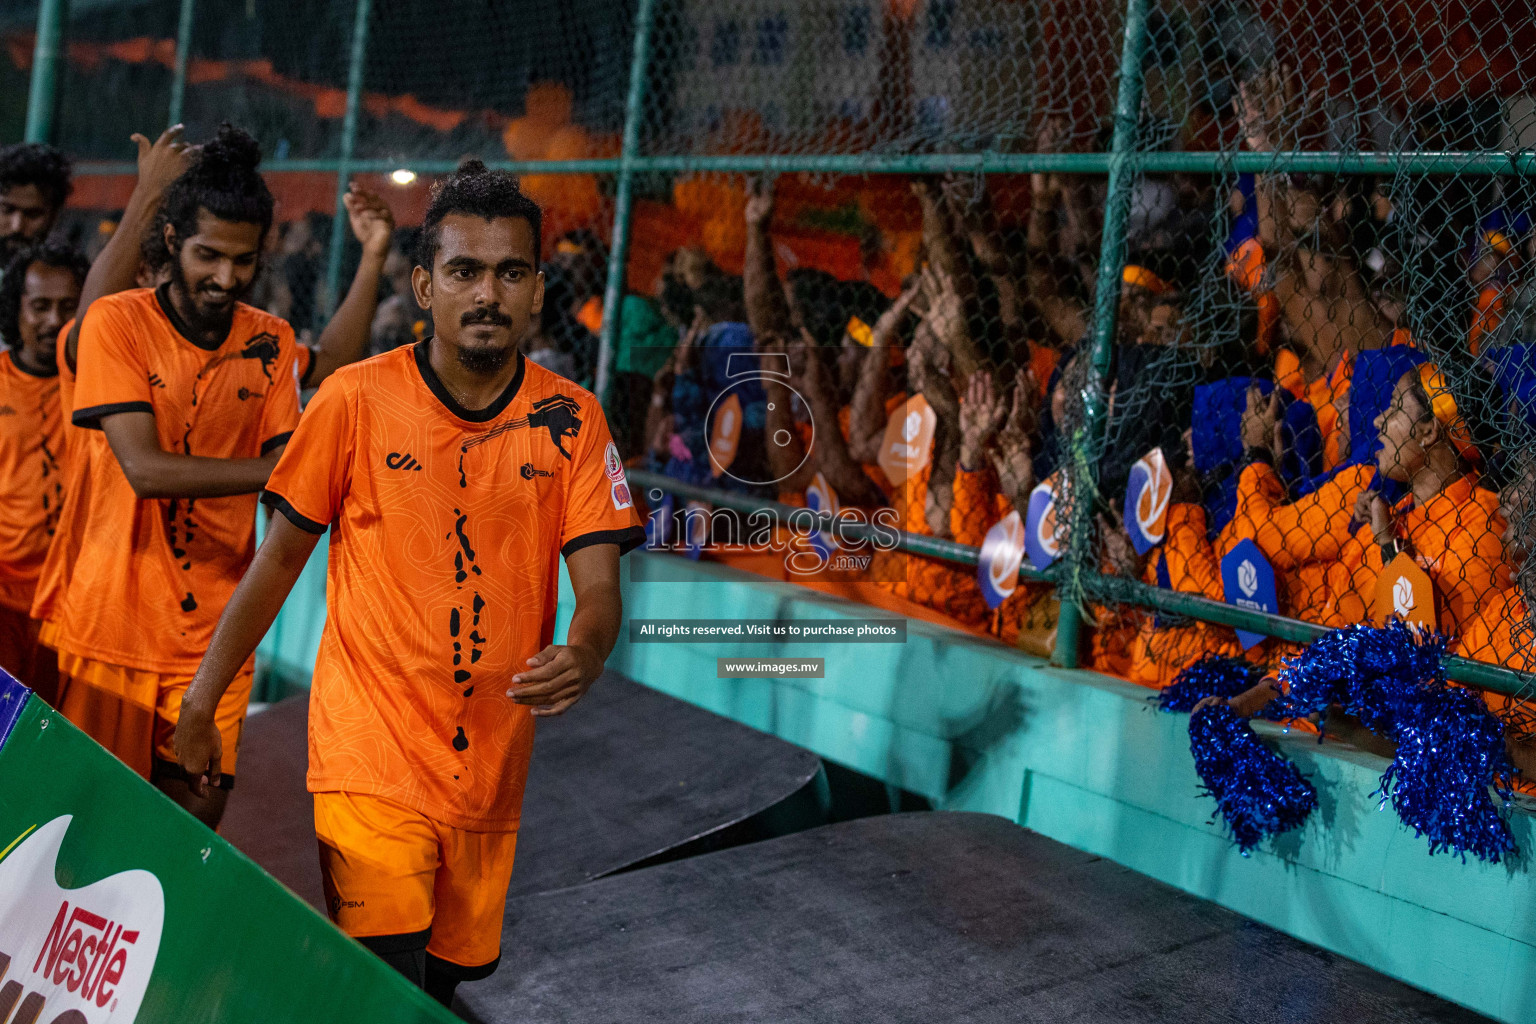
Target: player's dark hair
222,180
476,191
49,254
33,163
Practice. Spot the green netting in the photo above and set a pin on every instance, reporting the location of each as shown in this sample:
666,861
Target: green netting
1304,199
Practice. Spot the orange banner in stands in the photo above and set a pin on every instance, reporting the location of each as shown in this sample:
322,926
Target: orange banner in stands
908,441
1405,591
724,435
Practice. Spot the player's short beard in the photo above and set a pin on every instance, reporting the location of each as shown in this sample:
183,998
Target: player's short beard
485,361
211,323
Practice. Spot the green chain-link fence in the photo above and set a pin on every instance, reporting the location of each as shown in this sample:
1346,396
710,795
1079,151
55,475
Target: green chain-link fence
1234,231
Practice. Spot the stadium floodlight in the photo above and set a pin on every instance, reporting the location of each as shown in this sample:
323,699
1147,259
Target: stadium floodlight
403,176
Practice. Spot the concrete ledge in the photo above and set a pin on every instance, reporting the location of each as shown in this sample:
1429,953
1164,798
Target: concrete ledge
1082,758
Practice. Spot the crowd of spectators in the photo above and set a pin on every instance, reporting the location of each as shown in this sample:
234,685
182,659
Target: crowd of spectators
1323,375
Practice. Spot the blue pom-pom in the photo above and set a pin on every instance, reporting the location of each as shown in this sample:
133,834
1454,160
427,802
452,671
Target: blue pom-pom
1211,676
1367,669
1258,792
1450,750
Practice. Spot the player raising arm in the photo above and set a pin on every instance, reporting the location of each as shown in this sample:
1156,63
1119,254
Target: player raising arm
452,475
195,393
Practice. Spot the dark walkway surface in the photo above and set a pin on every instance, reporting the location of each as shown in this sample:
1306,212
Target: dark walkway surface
930,917
626,774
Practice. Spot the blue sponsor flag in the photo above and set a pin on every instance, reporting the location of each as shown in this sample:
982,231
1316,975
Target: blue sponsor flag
1002,552
1147,493
1040,541
1248,581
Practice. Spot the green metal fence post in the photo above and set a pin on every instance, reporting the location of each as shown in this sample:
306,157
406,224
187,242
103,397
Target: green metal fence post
355,67
47,55
1122,171
618,252
183,49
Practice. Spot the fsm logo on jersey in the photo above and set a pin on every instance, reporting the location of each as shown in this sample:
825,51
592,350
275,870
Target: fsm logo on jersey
79,956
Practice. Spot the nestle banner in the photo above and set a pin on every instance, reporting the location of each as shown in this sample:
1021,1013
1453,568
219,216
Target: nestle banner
117,906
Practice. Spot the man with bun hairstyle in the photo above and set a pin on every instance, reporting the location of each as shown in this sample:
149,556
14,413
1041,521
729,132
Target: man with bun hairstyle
453,475
196,394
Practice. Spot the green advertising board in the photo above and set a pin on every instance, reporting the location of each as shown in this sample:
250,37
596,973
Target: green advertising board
117,906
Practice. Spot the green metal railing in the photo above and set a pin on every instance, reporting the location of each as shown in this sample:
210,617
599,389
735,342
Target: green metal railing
1121,164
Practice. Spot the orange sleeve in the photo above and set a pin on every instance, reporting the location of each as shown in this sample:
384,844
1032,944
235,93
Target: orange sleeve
1489,635
970,511
1288,373
113,376
1352,580
306,364
1042,361
598,505
1193,567
314,473
280,412
1313,528
1467,573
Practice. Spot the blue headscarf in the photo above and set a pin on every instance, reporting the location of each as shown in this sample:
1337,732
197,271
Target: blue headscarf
1217,441
1371,384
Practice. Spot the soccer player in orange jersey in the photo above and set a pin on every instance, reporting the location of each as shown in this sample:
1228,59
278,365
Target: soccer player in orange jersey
38,295
196,394
452,474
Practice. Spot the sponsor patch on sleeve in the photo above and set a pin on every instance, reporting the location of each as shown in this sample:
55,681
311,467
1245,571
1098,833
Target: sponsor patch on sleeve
621,497
612,464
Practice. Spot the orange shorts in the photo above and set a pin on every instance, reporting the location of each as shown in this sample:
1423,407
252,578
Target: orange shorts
389,870
32,664
133,712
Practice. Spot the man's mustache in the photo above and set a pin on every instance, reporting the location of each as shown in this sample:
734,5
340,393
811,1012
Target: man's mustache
485,315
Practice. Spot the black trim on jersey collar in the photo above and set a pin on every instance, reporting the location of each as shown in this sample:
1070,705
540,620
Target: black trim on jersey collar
163,297
435,385
91,418
24,368
627,539
291,514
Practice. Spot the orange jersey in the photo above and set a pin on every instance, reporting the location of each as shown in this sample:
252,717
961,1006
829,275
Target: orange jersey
1493,634
152,576
1326,395
1192,566
1303,538
31,477
80,447
1455,536
447,526
304,360
977,506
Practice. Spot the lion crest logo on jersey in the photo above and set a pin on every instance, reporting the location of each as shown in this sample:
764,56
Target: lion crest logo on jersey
557,414
263,346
